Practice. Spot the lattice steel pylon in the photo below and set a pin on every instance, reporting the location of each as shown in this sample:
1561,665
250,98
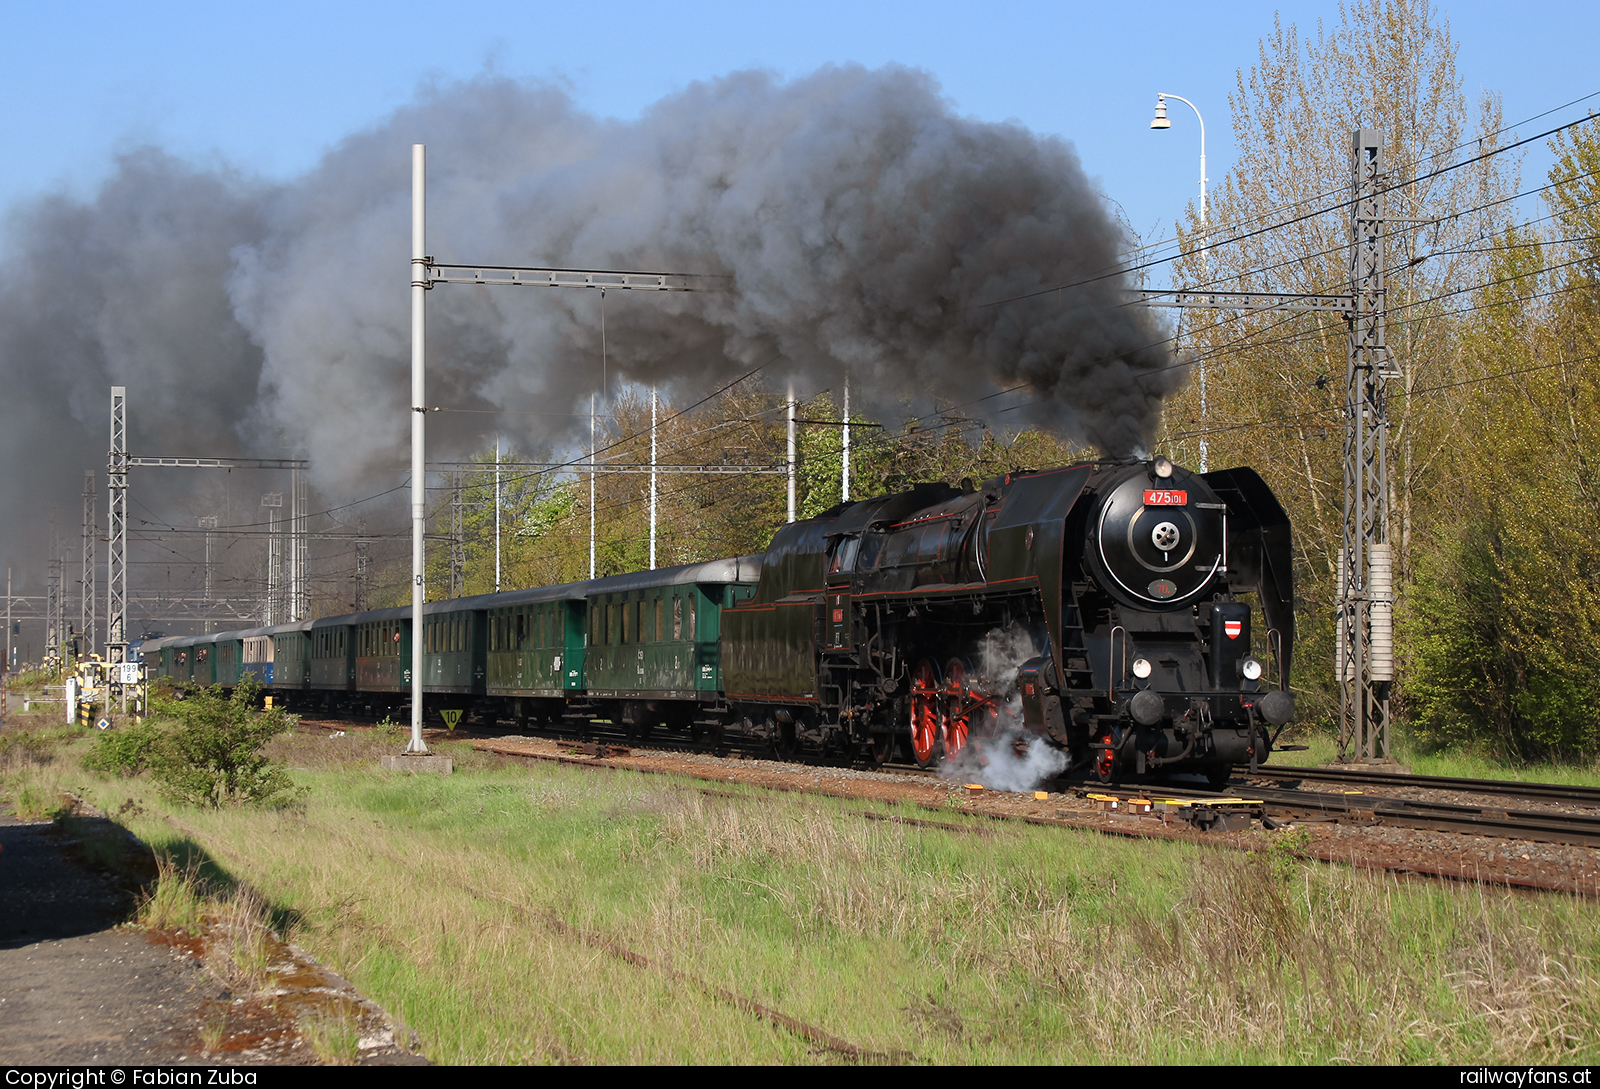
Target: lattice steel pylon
273,502
54,643
117,530
1365,597
299,604
88,605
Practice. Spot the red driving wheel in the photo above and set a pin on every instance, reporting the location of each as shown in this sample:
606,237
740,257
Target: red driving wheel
1105,756
927,712
957,723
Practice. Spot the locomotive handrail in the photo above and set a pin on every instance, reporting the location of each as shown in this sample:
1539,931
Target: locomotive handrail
1275,648
1111,671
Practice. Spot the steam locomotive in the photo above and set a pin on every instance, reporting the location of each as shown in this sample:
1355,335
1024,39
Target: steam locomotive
1134,615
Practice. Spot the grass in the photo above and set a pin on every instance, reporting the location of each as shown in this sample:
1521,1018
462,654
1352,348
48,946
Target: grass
336,1040
541,913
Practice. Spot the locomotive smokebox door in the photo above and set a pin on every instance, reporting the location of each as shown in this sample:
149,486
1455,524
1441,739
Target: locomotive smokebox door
1230,642
1041,706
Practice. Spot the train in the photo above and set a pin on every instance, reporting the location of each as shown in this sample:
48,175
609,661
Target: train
1135,616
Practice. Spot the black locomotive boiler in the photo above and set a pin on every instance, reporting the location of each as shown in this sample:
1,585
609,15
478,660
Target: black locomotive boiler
1137,615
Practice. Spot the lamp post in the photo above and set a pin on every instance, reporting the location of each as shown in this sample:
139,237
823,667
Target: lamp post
1161,122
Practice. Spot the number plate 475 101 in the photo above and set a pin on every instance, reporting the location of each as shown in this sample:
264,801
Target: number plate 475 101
1157,497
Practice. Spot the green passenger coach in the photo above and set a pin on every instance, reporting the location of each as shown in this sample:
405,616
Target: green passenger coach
654,653
536,650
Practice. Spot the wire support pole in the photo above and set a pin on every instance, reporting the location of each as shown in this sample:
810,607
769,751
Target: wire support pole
1204,235
844,469
53,643
419,415
653,420
298,608
791,452
592,399
1365,601
117,529
88,621
497,513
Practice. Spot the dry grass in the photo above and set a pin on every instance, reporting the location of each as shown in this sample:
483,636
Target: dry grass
233,919
496,910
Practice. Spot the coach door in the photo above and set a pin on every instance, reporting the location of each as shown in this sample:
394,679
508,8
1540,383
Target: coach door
837,629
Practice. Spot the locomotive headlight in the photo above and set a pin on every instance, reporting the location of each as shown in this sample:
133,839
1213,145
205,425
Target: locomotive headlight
1141,668
1162,467
1250,668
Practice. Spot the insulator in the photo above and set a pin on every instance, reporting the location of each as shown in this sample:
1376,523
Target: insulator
1342,665
1380,590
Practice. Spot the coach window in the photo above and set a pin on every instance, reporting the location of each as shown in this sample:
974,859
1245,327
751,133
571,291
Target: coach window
692,611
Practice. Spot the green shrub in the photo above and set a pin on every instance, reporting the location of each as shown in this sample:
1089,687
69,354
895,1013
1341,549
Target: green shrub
126,750
23,748
212,754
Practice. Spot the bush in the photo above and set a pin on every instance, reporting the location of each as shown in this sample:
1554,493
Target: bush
1503,646
212,754
127,750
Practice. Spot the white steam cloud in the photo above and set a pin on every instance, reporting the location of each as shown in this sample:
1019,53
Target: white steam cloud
1006,757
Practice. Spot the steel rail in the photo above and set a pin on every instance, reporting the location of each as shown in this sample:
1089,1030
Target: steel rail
1547,827
1506,787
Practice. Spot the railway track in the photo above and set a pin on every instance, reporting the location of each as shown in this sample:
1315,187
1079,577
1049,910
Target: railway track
1282,803
1553,792
611,735
1290,805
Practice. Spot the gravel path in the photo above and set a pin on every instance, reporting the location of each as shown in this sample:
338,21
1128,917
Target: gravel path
74,988
79,986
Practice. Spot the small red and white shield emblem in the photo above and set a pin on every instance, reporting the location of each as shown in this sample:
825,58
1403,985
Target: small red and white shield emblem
1233,628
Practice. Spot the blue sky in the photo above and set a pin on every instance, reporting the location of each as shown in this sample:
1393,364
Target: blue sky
267,87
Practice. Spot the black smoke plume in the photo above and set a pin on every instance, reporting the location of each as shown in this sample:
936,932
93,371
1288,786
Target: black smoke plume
860,222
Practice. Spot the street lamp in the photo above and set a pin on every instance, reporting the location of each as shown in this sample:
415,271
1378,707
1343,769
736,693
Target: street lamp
1161,122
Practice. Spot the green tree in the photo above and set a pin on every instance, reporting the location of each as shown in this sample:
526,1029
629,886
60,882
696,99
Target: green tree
1506,615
